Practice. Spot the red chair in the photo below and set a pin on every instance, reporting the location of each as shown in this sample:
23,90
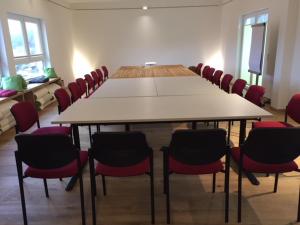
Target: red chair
205,72
63,99
96,78
100,75
75,91
198,68
225,83
292,110
267,150
196,152
255,94
48,157
105,72
91,83
120,154
217,77
238,87
26,116
210,74
82,85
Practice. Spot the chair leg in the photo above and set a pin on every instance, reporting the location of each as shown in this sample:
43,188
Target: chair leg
168,197
276,182
214,183
103,185
227,173
152,196
229,130
19,168
46,188
60,179
93,187
298,217
98,128
82,199
90,135
240,194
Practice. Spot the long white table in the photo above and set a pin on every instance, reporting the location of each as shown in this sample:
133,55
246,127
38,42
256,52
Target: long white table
156,86
159,100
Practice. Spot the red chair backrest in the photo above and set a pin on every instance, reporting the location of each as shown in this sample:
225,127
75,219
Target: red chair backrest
100,75
25,115
293,108
225,84
198,69
90,82
82,85
105,72
63,99
210,74
95,77
217,77
205,71
238,86
255,94
75,91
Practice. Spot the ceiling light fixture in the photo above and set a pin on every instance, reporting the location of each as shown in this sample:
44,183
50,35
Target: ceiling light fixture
145,7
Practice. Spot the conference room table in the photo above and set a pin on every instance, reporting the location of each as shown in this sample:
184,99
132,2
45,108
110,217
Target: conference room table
130,101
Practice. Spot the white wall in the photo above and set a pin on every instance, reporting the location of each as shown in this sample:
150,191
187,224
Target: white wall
58,23
282,63
232,14
132,37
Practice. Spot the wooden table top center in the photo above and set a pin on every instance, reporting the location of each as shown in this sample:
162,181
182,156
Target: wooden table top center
153,71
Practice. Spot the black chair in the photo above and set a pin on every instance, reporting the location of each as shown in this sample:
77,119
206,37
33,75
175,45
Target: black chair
267,150
120,154
48,157
195,152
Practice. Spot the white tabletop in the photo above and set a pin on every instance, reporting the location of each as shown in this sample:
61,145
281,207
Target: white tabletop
193,85
156,86
127,87
160,109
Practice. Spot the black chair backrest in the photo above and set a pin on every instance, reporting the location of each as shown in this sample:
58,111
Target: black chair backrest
272,145
45,151
197,147
120,149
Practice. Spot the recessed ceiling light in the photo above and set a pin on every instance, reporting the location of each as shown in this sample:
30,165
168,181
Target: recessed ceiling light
145,7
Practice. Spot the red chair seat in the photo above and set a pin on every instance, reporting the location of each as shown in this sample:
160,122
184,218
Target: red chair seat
66,171
257,167
270,124
53,130
138,169
181,168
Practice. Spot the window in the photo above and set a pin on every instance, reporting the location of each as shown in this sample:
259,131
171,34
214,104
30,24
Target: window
247,22
28,45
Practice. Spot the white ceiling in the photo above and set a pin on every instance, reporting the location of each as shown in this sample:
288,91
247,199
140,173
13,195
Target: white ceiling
125,4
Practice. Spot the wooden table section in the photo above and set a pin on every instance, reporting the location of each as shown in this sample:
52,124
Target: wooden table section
153,71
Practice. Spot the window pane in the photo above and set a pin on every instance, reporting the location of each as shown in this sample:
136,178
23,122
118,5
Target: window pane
17,38
33,38
247,35
249,21
30,70
262,18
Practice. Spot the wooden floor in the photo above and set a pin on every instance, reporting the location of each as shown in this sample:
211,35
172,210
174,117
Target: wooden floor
128,200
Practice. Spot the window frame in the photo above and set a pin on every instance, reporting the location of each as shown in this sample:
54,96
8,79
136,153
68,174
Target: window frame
29,58
243,20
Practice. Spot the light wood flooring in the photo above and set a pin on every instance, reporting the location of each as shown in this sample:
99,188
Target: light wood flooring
127,201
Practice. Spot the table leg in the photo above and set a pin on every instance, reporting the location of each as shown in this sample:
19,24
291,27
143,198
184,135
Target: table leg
73,179
242,137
